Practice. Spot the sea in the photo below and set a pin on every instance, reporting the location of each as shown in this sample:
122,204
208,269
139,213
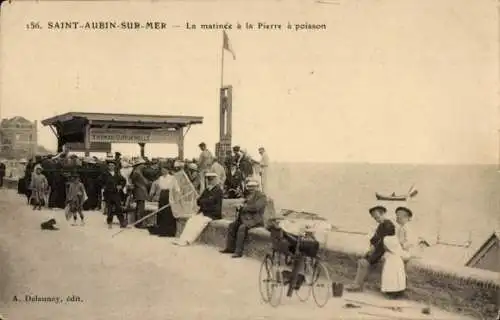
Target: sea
455,203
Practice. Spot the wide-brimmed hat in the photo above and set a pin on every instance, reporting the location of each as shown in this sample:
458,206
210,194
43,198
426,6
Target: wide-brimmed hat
89,160
211,175
139,161
23,161
252,183
193,166
405,209
377,208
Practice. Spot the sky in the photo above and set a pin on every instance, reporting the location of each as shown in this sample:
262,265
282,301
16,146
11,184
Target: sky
398,81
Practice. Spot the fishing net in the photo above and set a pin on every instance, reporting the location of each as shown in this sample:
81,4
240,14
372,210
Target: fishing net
183,203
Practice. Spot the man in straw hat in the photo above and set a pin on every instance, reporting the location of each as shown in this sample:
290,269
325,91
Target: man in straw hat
210,203
140,189
374,255
249,215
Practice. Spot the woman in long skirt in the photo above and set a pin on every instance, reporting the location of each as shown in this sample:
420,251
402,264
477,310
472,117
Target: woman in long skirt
393,282
166,224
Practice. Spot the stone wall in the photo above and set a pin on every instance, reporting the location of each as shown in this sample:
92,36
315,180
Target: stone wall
459,289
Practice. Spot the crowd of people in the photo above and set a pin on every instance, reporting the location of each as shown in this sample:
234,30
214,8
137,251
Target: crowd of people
120,186
76,184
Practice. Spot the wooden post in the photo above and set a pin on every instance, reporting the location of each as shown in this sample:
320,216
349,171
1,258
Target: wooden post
86,139
142,145
180,143
59,145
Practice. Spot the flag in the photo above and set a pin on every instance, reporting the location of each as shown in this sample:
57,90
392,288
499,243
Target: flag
226,45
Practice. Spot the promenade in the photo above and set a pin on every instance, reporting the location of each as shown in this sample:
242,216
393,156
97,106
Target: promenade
137,276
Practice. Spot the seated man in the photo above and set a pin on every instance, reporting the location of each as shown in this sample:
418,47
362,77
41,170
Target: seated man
374,255
250,215
210,203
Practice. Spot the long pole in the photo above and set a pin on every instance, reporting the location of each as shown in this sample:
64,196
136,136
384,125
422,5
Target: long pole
222,63
151,214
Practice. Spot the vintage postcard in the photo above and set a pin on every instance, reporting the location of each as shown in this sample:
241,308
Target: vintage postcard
289,159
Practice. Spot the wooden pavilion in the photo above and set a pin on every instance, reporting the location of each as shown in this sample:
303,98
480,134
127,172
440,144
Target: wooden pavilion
90,132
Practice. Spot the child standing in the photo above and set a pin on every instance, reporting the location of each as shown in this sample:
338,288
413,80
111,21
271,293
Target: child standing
75,198
38,186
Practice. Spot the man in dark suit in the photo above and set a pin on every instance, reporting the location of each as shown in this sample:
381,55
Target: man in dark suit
250,215
113,183
374,255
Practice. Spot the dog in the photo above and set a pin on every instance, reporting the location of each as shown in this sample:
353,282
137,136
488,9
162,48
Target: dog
49,225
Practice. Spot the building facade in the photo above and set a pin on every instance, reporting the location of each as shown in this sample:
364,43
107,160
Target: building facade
18,138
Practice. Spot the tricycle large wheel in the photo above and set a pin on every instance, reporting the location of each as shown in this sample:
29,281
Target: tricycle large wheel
305,289
321,284
270,281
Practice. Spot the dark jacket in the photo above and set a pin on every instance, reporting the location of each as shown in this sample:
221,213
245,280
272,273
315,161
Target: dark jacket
384,229
110,186
252,212
246,166
210,202
141,184
2,169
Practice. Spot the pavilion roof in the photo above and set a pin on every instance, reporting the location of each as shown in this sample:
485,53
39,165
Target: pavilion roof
124,119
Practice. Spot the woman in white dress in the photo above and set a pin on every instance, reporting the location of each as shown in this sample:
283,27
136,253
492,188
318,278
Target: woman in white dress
393,271
163,189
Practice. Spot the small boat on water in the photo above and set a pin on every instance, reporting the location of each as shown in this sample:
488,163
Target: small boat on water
393,197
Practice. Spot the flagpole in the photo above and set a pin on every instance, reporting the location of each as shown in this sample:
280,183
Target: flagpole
222,63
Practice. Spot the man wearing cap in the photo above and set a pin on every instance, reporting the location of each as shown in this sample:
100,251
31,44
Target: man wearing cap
250,215
210,203
140,191
385,228
204,163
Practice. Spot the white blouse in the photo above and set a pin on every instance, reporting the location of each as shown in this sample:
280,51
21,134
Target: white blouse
167,183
